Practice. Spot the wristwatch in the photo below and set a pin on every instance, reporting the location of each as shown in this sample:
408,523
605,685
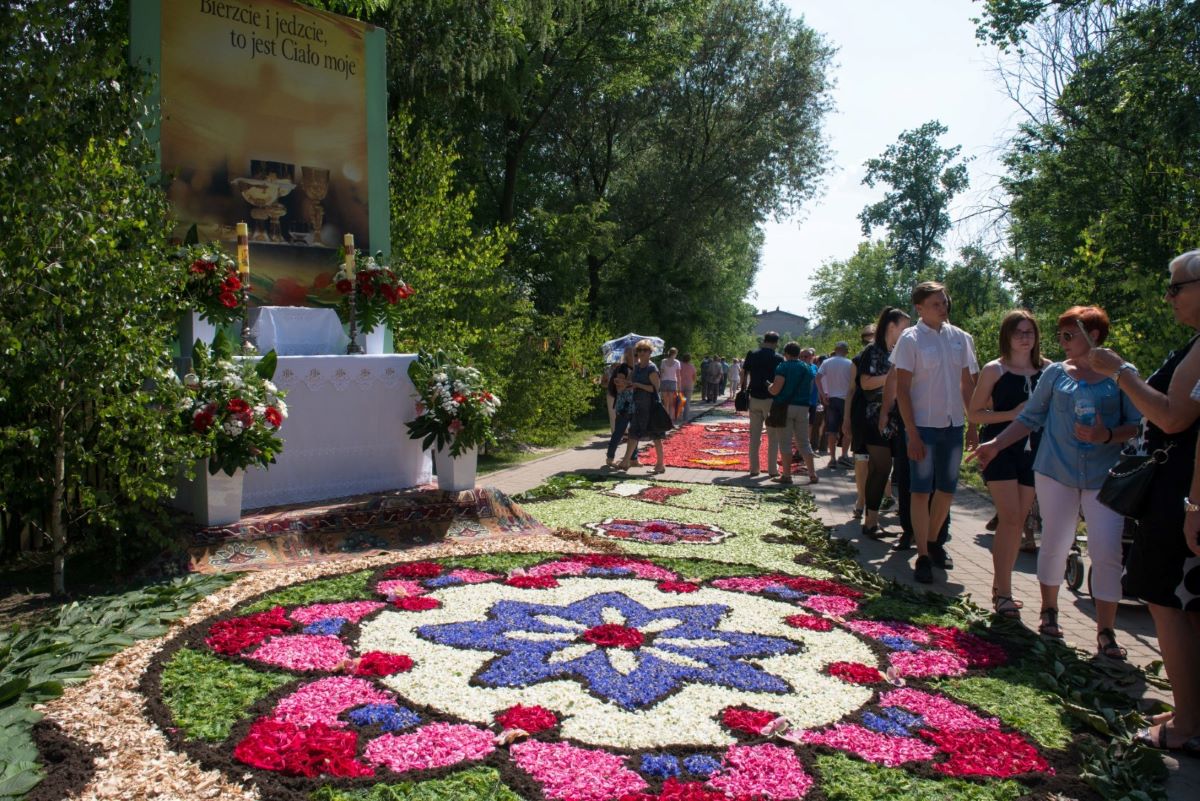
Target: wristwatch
1120,370
1189,506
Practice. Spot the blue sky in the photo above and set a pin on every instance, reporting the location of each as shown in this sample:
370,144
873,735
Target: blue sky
899,64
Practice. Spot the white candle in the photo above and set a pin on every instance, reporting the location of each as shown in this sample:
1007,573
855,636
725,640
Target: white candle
348,242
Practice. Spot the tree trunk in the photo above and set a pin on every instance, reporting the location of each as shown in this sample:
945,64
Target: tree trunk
593,293
58,531
512,165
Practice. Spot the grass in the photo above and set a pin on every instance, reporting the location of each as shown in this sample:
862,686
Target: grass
512,454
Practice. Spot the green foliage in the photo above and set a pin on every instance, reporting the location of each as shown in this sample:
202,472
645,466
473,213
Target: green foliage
90,292
975,284
844,778
1011,695
498,562
703,570
922,180
207,695
1103,186
476,784
347,587
849,294
36,663
559,486
924,610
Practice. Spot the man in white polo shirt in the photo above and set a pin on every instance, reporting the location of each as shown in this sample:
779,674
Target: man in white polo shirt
936,368
833,385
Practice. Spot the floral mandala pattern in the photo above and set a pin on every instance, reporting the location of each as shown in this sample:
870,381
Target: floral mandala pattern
658,531
598,678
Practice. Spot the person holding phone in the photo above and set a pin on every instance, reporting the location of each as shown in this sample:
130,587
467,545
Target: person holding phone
1084,420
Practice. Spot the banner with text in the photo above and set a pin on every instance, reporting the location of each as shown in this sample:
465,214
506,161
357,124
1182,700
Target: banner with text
264,119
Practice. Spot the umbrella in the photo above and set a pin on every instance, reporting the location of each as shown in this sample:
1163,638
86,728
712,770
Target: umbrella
614,349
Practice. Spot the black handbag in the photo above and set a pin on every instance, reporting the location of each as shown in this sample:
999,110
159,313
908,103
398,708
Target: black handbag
660,420
1126,488
741,401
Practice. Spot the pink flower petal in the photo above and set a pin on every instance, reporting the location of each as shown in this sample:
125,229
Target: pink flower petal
928,663
887,628
302,652
768,770
401,588
882,749
434,746
324,700
830,604
469,576
353,611
569,773
939,712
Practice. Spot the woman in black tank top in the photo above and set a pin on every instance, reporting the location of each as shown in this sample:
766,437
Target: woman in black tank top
1004,386
1163,566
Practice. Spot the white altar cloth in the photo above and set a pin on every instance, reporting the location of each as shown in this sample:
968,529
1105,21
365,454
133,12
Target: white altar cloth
297,331
345,432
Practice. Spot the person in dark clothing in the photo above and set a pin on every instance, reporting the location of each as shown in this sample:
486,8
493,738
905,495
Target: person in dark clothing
621,387
758,373
1163,566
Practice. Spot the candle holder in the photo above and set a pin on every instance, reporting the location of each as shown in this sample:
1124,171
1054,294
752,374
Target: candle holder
353,347
247,345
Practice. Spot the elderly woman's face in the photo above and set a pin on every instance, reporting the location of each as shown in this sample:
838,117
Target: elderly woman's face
1183,293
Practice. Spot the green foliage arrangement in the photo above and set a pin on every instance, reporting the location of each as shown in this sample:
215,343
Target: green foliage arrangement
337,588
213,285
454,410
477,784
231,409
37,662
847,779
207,695
374,288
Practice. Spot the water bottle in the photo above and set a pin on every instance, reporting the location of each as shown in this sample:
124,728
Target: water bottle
1085,412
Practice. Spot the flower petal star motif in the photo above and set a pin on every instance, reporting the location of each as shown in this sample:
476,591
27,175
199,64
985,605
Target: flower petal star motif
677,646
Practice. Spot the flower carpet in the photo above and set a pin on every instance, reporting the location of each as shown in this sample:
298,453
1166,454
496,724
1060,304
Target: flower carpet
685,648
720,440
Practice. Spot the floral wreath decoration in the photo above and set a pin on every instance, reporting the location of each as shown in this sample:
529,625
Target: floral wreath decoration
595,677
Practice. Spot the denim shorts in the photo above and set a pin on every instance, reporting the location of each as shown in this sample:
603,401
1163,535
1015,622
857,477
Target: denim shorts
938,471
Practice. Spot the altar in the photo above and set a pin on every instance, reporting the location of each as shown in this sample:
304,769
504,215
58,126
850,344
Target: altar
345,432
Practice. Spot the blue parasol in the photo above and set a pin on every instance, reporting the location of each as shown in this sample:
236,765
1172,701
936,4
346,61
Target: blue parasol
614,349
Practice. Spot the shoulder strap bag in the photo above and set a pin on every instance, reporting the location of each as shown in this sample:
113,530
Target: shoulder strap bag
1126,488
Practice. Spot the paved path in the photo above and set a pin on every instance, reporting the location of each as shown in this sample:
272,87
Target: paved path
969,546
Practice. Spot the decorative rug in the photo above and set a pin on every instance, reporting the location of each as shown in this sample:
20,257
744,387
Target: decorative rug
592,677
718,441
282,536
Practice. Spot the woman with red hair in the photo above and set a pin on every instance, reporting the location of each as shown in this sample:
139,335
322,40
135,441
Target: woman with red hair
1084,420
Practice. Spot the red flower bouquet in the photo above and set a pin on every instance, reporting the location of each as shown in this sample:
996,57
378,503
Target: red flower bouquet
214,287
379,290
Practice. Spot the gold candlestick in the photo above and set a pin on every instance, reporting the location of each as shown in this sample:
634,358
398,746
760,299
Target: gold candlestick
243,264
348,244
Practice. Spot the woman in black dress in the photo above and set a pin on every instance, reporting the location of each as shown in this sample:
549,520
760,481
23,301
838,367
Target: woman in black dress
1161,568
645,383
1004,386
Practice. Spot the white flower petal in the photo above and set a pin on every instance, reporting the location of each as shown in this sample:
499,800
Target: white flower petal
571,652
622,661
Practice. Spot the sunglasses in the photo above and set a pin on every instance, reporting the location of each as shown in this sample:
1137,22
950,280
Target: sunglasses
1174,289
1067,336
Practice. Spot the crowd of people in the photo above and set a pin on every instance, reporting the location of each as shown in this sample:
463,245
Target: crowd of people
906,407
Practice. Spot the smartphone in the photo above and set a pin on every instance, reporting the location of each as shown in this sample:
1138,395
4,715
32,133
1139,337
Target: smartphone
1086,334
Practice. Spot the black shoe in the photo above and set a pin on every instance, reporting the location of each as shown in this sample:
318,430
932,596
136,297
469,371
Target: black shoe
876,532
905,542
923,573
888,503
938,554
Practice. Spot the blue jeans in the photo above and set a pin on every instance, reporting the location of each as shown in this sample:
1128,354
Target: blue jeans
938,471
617,433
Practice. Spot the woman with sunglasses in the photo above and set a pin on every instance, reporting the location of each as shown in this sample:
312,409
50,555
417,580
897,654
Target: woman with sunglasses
1003,389
1163,567
1084,421
645,383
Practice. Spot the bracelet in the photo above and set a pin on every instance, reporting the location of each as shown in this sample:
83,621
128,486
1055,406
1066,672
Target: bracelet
1120,371
1110,436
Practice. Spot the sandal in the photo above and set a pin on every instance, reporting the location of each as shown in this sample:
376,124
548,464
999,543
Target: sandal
1015,602
1049,626
1111,648
659,469
1189,747
858,513
623,466
1004,606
